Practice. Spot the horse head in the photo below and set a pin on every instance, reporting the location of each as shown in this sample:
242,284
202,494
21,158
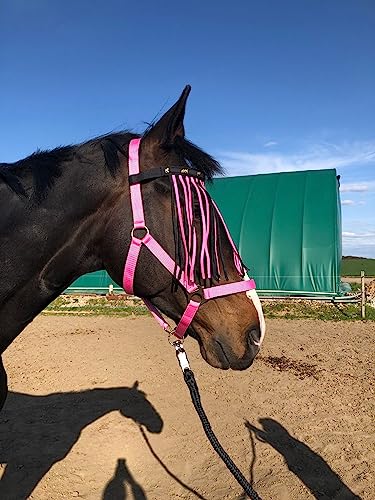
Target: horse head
182,218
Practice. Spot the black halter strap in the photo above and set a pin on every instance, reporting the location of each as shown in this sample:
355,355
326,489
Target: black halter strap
156,172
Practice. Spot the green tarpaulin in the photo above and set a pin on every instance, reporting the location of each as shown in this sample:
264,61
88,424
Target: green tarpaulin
287,227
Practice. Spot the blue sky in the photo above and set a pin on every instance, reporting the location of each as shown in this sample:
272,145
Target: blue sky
277,86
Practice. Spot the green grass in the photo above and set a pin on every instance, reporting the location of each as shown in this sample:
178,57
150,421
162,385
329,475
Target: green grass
356,287
285,309
97,306
353,267
315,310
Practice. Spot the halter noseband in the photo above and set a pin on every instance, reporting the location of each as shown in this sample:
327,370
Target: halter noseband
185,277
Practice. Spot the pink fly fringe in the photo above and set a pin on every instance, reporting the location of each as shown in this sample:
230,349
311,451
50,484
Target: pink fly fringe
198,247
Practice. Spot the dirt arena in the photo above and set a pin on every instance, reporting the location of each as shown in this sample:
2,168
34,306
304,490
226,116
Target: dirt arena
298,423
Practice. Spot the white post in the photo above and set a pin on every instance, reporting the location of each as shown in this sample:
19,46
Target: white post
363,296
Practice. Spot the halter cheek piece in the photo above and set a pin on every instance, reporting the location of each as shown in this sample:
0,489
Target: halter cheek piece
140,235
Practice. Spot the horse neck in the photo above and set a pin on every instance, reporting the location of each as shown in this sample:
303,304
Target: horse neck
45,246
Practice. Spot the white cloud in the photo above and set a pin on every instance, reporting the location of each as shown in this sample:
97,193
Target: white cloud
359,243
269,144
352,203
348,202
370,235
315,157
355,187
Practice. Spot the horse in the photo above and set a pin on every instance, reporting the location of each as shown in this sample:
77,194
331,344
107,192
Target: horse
69,211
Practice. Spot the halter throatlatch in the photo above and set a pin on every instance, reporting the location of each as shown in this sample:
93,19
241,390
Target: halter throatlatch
199,259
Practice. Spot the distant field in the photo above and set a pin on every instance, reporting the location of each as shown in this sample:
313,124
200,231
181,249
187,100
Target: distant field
353,267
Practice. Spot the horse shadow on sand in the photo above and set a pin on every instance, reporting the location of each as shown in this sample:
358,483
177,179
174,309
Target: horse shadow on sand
38,431
322,482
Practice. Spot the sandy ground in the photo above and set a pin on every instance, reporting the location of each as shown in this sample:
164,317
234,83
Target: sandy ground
298,423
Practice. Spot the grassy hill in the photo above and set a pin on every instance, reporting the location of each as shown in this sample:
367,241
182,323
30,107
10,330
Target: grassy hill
352,266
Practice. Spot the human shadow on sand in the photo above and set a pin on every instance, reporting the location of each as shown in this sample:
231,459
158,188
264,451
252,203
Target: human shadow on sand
117,487
38,431
311,468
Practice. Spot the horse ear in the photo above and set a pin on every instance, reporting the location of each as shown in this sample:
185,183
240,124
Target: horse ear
171,124
135,385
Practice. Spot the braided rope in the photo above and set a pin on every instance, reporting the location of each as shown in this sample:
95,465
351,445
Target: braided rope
195,396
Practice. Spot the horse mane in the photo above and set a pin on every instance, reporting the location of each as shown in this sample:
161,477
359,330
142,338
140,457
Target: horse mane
46,166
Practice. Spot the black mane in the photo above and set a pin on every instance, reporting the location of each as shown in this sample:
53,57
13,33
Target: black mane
46,166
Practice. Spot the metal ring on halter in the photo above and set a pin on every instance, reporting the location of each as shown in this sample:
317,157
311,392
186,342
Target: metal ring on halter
197,294
170,334
144,228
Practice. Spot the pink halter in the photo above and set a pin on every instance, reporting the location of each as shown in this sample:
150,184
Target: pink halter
186,182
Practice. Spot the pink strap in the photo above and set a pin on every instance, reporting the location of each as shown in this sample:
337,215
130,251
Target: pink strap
204,255
237,259
130,265
159,252
180,221
138,218
135,189
229,288
186,319
167,261
184,322
205,216
156,314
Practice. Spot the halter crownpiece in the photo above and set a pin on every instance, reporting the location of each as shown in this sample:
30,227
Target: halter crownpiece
199,260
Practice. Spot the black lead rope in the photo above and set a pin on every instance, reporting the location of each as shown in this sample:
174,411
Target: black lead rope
195,397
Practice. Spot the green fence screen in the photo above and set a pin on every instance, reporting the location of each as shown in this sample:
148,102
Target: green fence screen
287,227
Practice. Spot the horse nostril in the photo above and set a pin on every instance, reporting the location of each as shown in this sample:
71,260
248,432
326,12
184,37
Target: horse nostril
254,337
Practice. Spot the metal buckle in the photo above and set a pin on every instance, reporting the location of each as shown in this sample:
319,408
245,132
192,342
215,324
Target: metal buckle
145,228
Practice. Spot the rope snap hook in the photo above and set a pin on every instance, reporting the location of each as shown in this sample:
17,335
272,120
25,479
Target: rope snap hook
181,355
